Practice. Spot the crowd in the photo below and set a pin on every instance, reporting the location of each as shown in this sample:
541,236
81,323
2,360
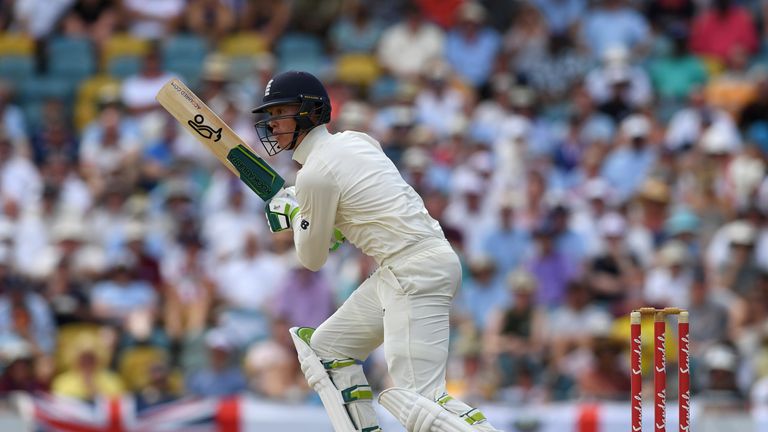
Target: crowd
584,158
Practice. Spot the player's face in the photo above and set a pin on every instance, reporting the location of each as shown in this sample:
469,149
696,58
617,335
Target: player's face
282,123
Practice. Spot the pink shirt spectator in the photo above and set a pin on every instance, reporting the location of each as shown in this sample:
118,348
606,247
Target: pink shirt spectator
715,34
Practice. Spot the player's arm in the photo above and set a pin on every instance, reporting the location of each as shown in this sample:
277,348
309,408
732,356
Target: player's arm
318,198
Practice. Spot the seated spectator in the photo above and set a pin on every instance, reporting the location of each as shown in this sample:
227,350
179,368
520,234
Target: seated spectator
756,111
163,387
471,46
139,90
507,243
272,368
89,378
526,38
736,86
304,298
12,121
721,393
514,338
18,368
408,46
556,71
116,297
722,27
676,73
26,315
615,274
562,17
482,293
94,19
713,321
605,378
688,124
552,268
220,377
152,20
572,325
268,18
212,19
614,22
356,31
616,64
669,282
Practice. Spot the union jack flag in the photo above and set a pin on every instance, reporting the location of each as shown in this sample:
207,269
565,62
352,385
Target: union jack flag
49,413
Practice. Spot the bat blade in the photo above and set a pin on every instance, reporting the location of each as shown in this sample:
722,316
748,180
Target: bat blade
209,129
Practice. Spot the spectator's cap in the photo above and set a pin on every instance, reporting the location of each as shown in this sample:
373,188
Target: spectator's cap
134,231
458,126
437,71
720,357
521,96
741,233
6,230
655,190
511,200
264,62
68,229
46,262
403,116
109,94
673,253
467,182
636,126
616,55
482,264
122,261
216,68
521,281
471,11
416,159
481,162
681,221
617,75
13,348
90,259
177,189
612,225
717,141
597,189
421,135
264,355
216,339
354,115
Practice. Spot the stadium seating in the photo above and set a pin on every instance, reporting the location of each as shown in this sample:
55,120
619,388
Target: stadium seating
71,58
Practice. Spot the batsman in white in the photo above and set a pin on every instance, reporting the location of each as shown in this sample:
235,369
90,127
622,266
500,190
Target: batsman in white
348,188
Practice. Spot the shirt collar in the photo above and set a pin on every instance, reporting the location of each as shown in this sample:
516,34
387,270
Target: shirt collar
315,136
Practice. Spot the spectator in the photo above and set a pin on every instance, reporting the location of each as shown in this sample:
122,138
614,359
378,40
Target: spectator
139,90
688,124
722,27
556,71
677,73
756,111
356,31
12,122
304,298
26,315
604,379
89,378
713,321
615,274
628,165
669,282
611,23
212,19
526,38
616,65
219,378
152,20
115,298
506,242
514,338
481,293
94,19
552,268
408,46
268,18
562,16
19,373
735,87
471,46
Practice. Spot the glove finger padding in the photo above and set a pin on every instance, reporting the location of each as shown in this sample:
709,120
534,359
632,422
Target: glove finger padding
337,239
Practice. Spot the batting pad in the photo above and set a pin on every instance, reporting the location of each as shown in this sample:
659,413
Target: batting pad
319,380
419,414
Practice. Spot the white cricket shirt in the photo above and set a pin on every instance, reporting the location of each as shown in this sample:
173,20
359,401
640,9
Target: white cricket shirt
346,181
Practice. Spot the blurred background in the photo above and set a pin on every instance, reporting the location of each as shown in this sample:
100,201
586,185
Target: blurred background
584,157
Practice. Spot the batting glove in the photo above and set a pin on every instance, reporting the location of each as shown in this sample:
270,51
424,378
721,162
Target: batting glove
337,238
282,210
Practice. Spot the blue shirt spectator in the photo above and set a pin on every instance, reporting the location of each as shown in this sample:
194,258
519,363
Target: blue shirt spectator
357,32
471,47
561,15
628,166
614,24
481,293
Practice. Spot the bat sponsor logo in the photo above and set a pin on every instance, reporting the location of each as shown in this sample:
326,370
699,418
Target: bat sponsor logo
185,94
204,130
304,224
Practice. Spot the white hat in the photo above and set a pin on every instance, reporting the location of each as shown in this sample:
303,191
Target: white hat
716,140
612,225
416,158
68,229
635,126
467,182
617,74
720,357
472,11
134,230
741,232
674,252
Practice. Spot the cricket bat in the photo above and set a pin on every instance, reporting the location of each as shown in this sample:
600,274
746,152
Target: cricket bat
219,138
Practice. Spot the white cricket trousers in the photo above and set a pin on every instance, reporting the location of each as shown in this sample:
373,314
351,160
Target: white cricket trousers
405,304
